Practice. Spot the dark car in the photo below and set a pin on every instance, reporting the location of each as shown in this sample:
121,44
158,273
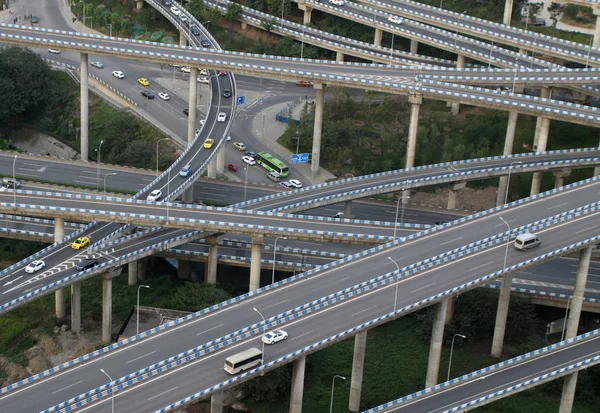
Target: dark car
87,264
147,94
205,43
35,19
186,112
441,223
227,93
167,2
195,30
250,153
221,73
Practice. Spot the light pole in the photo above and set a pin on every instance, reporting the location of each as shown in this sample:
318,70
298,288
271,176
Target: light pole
112,391
99,150
508,180
490,58
168,193
587,60
562,335
14,182
456,36
274,256
403,198
392,48
110,28
397,283
297,142
441,4
163,139
452,348
245,183
282,9
137,317
333,387
105,176
262,359
507,242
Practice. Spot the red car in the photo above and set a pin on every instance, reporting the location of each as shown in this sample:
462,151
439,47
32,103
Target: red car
221,73
232,167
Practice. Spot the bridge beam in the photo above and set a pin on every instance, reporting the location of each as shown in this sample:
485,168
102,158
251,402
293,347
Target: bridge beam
378,36
221,161
508,148
460,64
132,273
76,307
192,102
255,258
106,308
570,383
435,348
501,315
59,295
415,100
184,269
414,46
508,6
216,402
84,105
212,263
297,385
318,129
358,365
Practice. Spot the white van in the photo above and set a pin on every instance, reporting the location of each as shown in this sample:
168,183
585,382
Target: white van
274,176
526,241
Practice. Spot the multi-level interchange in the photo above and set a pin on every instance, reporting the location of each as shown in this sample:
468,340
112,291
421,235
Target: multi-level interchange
343,293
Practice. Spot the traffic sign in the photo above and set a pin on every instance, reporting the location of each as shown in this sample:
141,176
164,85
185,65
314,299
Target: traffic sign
241,100
300,158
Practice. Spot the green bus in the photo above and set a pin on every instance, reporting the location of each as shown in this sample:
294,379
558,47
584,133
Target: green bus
271,163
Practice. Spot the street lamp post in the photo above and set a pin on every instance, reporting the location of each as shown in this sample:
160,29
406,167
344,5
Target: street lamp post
112,391
274,256
99,150
451,349
297,142
14,182
397,283
282,8
332,388
562,335
110,29
508,180
456,36
392,49
168,193
490,58
245,182
106,176
163,139
507,242
515,78
587,60
262,359
137,317
403,198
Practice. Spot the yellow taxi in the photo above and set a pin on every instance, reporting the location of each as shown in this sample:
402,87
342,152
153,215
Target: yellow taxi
209,143
143,81
80,243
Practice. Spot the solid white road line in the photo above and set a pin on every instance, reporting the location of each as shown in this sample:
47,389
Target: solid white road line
452,240
210,329
65,388
302,335
481,266
557,206
140,357
276,304
362,311
165,392
424,287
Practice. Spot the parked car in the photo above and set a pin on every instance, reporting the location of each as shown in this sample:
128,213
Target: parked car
249,160
186,171
155,195
80,242
35,19
232,167
272,337
303,83
203,80
97,64
186,69
186,112
239,146
35,266
87,264
147,94
295,183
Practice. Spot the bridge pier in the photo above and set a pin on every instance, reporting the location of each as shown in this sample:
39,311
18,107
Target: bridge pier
414,45
454,188
559,177
84,106
211,265
508,148
221,161
339,57
501,315
76,307
192,101
59,295
596,41
540,140
570,383
307,15
460,64
216,402
188,194
182,39
255,268
297,385
318,129
348,209
378,36
132,273
184,269
141,268
139,4
450,309
106,308
358,365
435,348
415,100
212,169
508,5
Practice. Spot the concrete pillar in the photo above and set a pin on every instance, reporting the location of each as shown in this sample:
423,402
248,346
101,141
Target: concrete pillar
415,101
212,169
508,148
76,307
221,161
435,348
182,39
559,177
244,26
84,121
414,45
339,57
450,309
59,229
184,269
188,194
378,35
255,263
106,308
570,381
348,209
59,303
508,5
139,4
501,315
358,364
596,41
451,199
460,64
318,129
541,147
211,265
297,385
192,100
307,15
132,273
216,402
142,268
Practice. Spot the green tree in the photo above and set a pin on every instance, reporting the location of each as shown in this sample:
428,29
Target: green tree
534,11
556,10
234,11
194,297
267,25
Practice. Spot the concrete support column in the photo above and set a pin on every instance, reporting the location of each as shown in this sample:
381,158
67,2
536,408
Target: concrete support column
415,101
211,265
378,35
212,169
182,39
435,348
76,307
508,5
541,147
106,308
508,148
139,4
192,100
414,45
184,269
142,268
348,209
318,129
84,102
358,365
569,385
216,402
501,315
188,194
59,229
59,303
255,263
132,273
451,199
339,57
450,310
559,177
244,26
221,161
460,64
596,41
307,15
297,385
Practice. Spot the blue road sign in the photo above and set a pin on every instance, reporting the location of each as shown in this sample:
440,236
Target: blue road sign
241,100
300,158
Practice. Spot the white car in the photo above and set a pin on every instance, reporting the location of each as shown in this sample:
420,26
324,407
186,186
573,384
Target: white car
98,65
164,96
118,74
249,160
222,116
183,18
395,19
54,51
228,138
175,10
337,2
35,266
203,80
154,195
239,146
186,69
295,183
274,336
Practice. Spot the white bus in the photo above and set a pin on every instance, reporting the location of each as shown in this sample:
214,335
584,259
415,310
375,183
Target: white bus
243,361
